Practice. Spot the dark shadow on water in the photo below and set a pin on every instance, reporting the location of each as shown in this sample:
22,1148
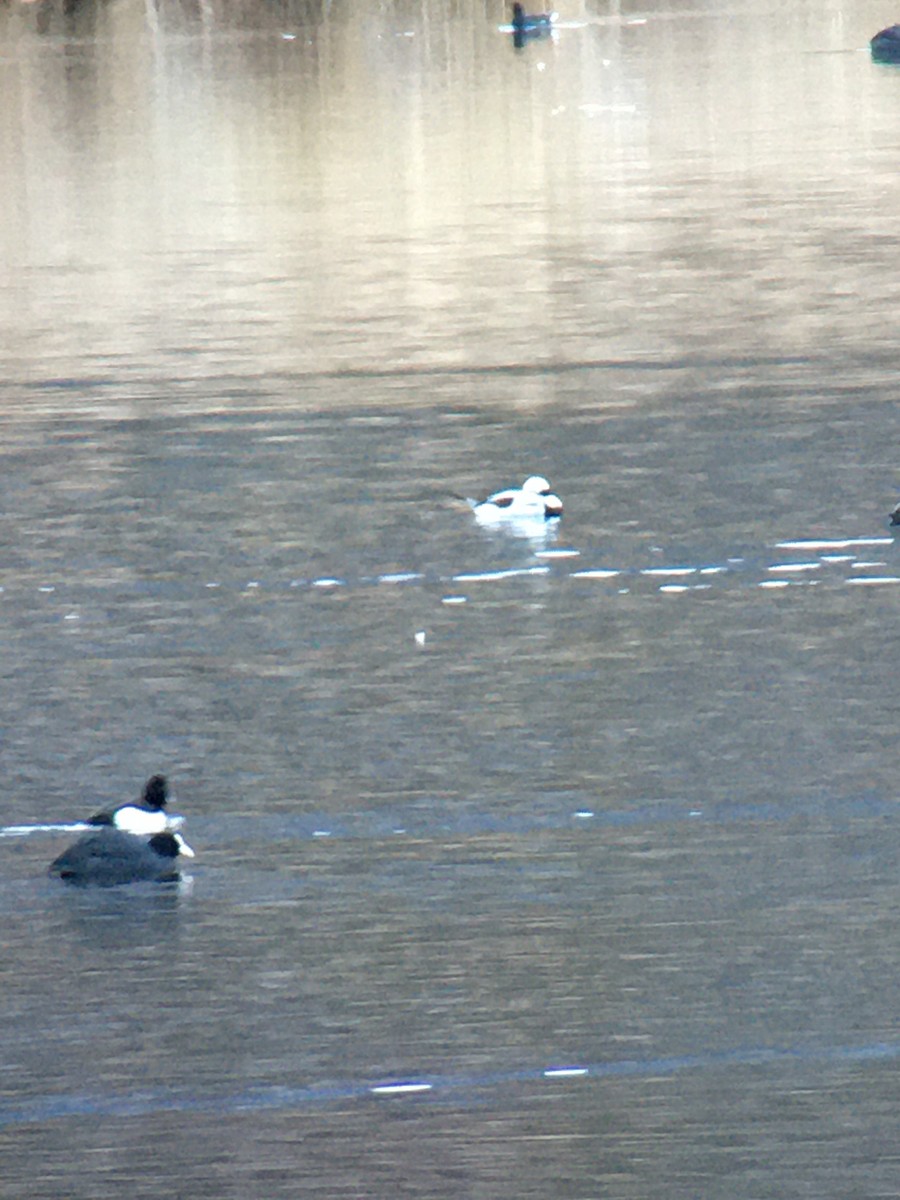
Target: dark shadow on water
121,917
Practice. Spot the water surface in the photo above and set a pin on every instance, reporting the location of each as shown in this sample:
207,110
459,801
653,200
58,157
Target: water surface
557,867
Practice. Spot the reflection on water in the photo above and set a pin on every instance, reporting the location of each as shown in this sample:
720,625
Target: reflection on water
389,192
551,865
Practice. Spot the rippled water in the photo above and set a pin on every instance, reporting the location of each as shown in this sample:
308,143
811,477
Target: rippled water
557,867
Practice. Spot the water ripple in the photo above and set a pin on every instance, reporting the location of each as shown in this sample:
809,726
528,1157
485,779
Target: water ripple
428,818
275,1097
826,560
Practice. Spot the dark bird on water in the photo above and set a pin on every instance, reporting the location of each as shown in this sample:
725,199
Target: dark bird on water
147,815
885,46
108,857
534,24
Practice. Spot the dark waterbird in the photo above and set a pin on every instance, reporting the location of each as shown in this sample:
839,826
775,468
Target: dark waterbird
147,815
531,24
107,857
885,47
895,516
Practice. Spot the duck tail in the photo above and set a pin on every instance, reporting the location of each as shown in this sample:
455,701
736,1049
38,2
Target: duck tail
458,496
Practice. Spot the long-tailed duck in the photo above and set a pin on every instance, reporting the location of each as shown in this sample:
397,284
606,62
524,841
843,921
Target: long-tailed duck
533,501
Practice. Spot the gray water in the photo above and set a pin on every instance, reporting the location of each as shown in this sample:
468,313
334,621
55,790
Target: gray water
559,868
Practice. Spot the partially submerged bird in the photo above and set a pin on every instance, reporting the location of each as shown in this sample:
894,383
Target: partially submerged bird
144,816
895,516
109,857
532,502
885,46
533,24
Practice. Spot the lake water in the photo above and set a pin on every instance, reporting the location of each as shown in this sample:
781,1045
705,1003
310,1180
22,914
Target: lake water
556,867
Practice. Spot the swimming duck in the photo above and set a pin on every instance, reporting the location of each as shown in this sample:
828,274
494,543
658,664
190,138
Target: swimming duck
885,46
148,815
108,857
533,501
534,24
895,516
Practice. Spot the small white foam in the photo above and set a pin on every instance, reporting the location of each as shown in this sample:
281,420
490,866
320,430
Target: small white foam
454,600
837,558
867,566
327,583
713,570
399,577
252,584
565,1072
795,566
72,617
399,1089
420,638
775,583
47,588
321,833
557,554
584,814
493,576
874,580
673,571
595,573
213,585
834,543
674,587
26,830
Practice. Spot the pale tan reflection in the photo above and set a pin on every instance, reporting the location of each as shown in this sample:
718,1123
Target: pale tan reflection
191,196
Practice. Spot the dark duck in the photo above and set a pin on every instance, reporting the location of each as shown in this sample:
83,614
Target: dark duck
885,46
531,24
108,857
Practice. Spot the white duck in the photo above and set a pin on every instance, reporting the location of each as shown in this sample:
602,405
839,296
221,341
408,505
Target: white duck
533,502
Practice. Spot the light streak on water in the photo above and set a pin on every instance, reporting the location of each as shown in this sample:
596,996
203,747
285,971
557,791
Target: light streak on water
795,566
493,576
279,1098
432,820
833,543
554,562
